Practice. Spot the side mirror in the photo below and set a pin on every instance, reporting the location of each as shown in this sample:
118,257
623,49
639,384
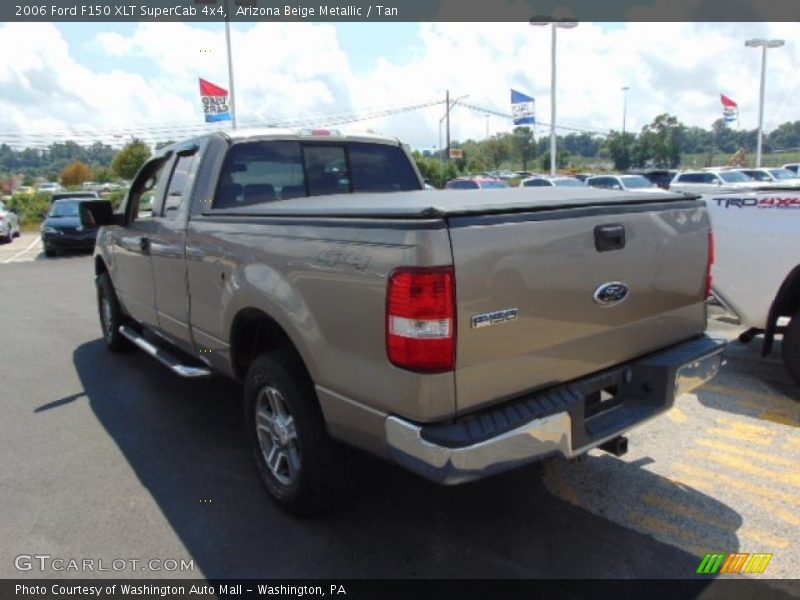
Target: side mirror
96,213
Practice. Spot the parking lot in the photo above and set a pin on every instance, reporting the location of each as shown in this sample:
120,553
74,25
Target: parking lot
27,247
110,456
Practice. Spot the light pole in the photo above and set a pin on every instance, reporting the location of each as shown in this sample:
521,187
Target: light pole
624,106
554,24
763,44
230,65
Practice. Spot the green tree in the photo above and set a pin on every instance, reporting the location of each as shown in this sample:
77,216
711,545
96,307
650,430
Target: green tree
523,145
562,159
620,149
665,135
128,160
495,150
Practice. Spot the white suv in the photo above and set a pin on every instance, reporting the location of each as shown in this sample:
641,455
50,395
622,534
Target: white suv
711,180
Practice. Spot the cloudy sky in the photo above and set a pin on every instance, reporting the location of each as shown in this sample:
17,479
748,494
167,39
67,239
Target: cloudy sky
106,81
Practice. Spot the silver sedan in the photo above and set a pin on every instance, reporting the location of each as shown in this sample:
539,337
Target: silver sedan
9,224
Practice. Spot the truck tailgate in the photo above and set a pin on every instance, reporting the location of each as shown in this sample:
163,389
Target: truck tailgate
529,287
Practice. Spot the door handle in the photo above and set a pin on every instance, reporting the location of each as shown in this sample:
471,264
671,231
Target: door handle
144,244
609,237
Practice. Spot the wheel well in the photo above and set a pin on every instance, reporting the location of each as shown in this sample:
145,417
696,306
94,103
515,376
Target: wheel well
99,266
786,303
252,334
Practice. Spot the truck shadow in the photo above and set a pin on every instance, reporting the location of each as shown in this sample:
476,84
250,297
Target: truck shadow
754,386
184,440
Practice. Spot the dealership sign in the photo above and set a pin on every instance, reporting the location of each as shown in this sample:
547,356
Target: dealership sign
216,103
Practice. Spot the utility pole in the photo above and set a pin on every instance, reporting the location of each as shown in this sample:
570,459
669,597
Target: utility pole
624,107
763,44
447,114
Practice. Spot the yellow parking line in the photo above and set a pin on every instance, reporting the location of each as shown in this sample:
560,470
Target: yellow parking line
677,415
781,417
760,537
739,464
744,432
769,507
686,539
792,444
682,509
763,456
738,392
734,482
561,485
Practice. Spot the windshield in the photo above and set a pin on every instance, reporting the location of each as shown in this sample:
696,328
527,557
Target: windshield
568,183
734,177
65,209
492,185
782,174
758,175
636,181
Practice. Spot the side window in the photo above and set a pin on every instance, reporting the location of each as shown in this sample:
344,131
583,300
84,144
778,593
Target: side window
690,178
537,183
326,169
178,184
146,190
381,168
711,178
259,172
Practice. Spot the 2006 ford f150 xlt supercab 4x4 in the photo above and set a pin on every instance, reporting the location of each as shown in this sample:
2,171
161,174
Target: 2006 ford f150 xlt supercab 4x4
458,333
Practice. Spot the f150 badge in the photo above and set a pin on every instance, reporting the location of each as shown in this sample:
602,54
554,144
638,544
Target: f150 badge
611,293
494,318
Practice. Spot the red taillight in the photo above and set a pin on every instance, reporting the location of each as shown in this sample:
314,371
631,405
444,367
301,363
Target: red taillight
712,257
420,319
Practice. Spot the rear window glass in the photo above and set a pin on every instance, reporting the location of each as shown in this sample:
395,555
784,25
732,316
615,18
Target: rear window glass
493,185
260,172
381,168
461,185
536,183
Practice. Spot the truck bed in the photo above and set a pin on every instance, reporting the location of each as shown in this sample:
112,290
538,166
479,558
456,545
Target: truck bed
428,204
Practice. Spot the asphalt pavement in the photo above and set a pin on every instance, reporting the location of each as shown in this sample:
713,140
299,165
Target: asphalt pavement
110,456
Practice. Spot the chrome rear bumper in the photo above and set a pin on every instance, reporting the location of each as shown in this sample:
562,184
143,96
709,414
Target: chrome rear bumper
491,442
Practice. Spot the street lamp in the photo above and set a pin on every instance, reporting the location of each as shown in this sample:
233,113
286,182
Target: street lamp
624,106
763,44
554,24
442,120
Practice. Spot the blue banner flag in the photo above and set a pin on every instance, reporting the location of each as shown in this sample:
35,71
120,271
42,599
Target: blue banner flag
523,108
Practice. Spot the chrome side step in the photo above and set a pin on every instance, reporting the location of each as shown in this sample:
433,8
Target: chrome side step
163,356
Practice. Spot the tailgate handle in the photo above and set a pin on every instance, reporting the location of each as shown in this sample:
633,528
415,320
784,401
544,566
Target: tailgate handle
609,237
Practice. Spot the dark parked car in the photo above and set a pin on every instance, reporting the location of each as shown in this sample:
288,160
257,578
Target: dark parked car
62,229
661,177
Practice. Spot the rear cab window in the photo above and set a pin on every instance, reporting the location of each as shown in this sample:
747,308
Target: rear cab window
269,171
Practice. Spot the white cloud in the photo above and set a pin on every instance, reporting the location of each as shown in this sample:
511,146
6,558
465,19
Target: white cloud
286,70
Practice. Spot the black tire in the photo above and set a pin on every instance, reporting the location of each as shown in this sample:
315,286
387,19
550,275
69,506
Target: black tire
111,316
325,476
9,237
49,252
791,348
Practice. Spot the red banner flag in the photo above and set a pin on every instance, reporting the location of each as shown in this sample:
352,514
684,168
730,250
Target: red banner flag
727,101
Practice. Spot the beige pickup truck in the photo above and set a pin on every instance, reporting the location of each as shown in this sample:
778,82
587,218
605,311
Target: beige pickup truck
457,333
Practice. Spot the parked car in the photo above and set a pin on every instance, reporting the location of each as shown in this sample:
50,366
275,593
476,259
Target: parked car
712,181
628,183
545,181
62,229
9,224
661,177
778,176
475,183
50,187
24,190
793,167
456,334
64,195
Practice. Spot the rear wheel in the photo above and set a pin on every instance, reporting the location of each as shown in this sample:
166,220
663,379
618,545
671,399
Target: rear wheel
111,317
49,252
9,237
791,348
303,469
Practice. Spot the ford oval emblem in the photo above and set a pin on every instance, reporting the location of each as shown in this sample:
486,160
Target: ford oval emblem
611,293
